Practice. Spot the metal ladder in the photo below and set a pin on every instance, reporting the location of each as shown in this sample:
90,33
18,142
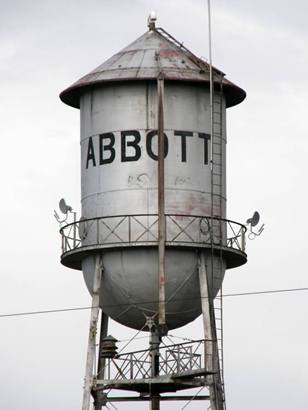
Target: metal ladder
216,190
217,180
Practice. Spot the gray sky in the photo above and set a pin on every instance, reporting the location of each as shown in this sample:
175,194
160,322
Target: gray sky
44,47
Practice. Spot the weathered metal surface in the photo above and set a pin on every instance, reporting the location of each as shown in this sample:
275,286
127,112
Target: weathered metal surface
120,177
131,109
138,61
130,259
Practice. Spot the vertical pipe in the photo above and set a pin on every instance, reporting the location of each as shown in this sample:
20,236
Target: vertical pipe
154,349
92,334
155,404
161,202
97,231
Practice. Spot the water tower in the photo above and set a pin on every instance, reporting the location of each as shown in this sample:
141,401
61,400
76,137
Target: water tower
153,241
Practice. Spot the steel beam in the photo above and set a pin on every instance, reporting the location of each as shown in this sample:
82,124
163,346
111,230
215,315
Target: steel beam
101,361
92,334
162,398
209,326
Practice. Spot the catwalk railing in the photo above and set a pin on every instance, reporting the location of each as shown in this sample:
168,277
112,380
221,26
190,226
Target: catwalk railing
142,229
173,360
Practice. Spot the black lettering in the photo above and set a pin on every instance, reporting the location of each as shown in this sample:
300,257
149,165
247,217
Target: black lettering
149,140
90,154
134,144
183,135
106,147
206,138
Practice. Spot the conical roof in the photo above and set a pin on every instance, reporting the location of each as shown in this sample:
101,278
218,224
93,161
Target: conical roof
153,53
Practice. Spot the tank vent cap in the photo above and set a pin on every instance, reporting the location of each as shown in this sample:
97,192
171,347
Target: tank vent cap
151,20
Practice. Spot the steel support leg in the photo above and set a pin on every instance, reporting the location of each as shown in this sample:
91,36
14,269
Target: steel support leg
101,361
211,351
92,334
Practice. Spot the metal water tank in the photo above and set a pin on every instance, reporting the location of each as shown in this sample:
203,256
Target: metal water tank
118,108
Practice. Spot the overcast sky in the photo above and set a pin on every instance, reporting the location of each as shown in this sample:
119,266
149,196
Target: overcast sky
44,47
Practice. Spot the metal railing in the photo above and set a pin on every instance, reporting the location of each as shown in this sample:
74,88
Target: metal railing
173,360
142,229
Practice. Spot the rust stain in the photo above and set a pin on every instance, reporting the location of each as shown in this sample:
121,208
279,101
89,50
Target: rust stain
168,52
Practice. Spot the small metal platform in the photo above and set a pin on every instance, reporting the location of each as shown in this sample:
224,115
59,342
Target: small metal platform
180,368
160,384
